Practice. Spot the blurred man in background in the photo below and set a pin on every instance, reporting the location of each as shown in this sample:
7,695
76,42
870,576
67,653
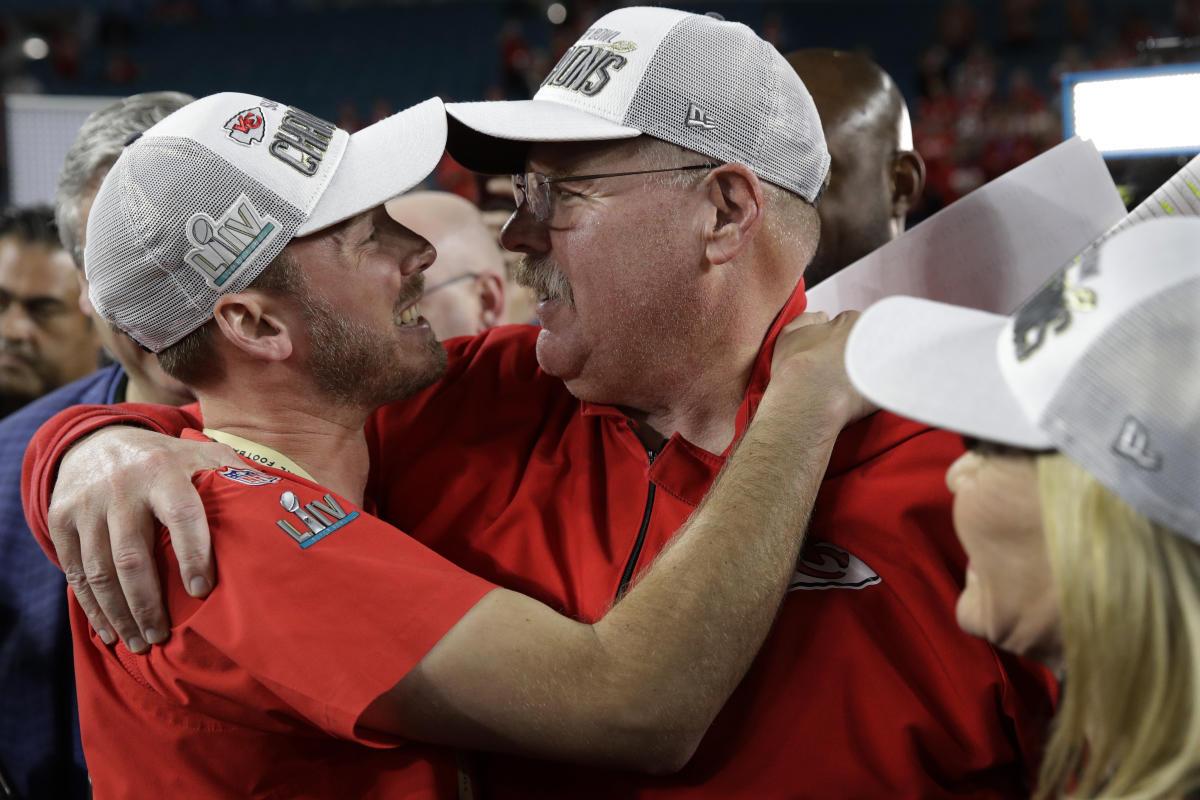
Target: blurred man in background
465,287
39,725
875,175
45,338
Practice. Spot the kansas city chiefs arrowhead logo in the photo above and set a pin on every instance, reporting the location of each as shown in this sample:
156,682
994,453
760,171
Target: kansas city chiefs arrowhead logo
826,566
246,127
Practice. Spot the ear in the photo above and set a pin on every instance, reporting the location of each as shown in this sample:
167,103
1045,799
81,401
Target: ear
736,195
252,323
85,302
908,181
491,299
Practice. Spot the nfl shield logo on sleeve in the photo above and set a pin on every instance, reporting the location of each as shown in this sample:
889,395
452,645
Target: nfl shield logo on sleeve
247,476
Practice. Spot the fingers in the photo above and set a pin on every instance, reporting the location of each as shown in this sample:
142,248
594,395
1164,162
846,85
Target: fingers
808,367
177,505
66,545
112,490
127,587
807,318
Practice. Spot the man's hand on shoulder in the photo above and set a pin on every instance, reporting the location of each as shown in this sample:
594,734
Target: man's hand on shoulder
808,369
111,488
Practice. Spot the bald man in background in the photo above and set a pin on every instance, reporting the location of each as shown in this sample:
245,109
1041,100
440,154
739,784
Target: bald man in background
875,175
465,287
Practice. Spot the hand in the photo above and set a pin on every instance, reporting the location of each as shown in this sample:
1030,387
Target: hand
110,488
809,366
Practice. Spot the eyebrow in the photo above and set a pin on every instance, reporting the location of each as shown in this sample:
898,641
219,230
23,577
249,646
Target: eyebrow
30,300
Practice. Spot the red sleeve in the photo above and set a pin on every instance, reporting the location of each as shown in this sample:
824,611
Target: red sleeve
315,627
64,429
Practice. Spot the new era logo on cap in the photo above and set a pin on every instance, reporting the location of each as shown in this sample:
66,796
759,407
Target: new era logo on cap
1133,443
697,117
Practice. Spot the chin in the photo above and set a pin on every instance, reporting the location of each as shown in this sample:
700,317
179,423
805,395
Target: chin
555,357
970,616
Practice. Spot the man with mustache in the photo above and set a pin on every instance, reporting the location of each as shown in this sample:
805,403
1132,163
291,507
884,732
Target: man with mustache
665,177
46,340
284,296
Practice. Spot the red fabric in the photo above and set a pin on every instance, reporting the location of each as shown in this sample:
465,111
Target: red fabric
870,692
858,692
259,689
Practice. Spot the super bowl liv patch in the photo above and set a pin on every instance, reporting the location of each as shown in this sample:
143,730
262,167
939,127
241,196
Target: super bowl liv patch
316,520
221,246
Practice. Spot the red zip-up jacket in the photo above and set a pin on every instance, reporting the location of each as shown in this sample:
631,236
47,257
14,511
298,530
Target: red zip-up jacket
866,687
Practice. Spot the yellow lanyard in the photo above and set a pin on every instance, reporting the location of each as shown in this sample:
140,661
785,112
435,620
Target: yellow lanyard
259,454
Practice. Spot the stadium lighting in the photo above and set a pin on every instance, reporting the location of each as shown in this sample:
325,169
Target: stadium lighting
1135,112
556,13
35,48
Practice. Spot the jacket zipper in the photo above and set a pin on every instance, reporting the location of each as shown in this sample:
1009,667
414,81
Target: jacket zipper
631,564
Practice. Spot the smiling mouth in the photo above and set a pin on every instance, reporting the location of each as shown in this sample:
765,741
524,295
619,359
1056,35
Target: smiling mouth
411,315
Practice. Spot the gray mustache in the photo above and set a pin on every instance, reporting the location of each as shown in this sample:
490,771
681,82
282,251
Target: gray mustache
540,274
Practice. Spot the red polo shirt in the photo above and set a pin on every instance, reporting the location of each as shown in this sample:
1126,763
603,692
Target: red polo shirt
260,687
865,688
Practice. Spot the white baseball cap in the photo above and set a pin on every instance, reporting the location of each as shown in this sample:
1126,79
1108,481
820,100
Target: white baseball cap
1102,364
696,81
204,200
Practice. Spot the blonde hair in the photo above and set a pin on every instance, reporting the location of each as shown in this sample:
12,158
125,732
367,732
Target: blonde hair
1128,724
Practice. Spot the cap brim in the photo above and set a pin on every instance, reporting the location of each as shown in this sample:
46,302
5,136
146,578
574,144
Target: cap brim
382,161
937,363
493,136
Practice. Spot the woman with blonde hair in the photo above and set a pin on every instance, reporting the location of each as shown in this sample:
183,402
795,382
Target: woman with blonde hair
1078,499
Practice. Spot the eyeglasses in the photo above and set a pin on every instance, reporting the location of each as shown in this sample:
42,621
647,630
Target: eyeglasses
466,276
535,187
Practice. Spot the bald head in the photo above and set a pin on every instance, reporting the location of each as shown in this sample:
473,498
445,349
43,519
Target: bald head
464,289
874,175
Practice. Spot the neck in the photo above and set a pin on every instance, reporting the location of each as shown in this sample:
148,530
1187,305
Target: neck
326,440
140,390
699,397
702,403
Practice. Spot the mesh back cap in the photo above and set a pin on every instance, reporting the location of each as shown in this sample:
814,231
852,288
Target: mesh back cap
698,82
204,200
1102,364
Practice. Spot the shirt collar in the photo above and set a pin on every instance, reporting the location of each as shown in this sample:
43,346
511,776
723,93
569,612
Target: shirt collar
685,470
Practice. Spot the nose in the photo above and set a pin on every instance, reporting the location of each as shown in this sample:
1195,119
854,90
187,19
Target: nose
958,471
420,259
15,324
524,234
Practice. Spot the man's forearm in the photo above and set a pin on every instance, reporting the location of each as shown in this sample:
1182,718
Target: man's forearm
689,630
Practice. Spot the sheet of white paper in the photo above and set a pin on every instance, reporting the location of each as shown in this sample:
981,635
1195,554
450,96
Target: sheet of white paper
993,248
1180,196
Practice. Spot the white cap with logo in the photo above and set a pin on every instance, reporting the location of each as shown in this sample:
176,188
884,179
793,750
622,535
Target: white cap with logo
693,80
1102,364
204,200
